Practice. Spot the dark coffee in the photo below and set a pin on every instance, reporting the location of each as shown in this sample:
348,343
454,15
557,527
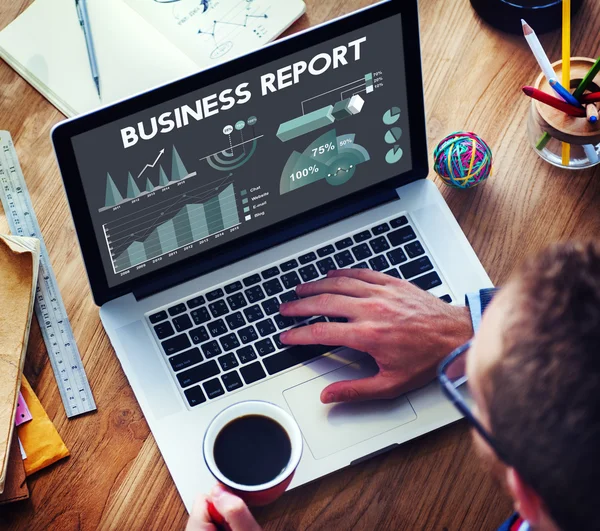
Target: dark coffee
252,450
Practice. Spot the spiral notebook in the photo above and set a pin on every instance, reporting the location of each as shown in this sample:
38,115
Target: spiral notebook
140,44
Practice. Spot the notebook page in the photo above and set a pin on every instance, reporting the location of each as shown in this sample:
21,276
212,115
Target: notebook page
213,31
46,46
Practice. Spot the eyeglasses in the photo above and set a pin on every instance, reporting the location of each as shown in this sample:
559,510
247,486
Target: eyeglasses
453,379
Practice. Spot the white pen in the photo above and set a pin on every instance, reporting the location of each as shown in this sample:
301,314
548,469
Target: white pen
84,20
538,51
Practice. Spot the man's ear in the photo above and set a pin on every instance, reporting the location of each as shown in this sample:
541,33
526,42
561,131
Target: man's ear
527,503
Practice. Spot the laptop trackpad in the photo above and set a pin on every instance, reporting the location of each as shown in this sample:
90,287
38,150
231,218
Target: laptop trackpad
330,428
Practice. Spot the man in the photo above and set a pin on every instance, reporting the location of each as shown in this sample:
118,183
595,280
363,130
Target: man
533,373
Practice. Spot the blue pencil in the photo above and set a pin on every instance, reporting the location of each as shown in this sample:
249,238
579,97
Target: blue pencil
564,93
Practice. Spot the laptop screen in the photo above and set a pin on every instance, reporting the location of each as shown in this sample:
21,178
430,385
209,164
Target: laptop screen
184,177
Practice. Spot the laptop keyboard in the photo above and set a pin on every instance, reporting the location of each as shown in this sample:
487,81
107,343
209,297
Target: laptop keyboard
227,338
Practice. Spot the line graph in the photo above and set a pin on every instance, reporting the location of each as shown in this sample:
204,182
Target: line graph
162,152
212,33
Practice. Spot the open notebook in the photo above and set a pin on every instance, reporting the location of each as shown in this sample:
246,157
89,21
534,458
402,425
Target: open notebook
140,44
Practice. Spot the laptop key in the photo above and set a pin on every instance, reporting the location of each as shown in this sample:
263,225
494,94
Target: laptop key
428,281
198,374
246,354
344,259
232,288
185,359
228,362
393,273
446,298
158,317
265,347
236,301
362,236
399,222
200,316
195,302
176,344
214,295
213,388
294,356
255,294
254,313
266,327
380,229
199,335
362,251
271,306
344,244
361,265
414,249
379,263
253,372
283,322
289,265
416,267
229,342
248,334
308,273
326,265
182,323
325,251
218,308
217,328
270,273
400,236
278,343
235,320
195,396
232,381
321,319
164,330
176,310
251,280
272,287
211,349
397,256
289,297
306,258
290,280
379,245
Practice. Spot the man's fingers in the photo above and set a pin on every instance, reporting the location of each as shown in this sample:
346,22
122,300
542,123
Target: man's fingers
374,387
331,334
234,510
340,285
324,304
199,518
366,275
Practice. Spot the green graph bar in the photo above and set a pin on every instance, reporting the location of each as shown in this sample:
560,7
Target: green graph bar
214,216
152,245
167,236
122,262
306,124
190,224
229,209
137,253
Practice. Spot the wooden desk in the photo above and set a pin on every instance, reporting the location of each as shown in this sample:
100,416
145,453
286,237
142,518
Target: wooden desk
116,478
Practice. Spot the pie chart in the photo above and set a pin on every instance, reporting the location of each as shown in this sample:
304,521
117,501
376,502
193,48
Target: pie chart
393,135
392,116
394,155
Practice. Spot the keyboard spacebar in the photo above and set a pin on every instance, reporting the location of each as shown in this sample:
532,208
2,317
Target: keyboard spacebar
294,356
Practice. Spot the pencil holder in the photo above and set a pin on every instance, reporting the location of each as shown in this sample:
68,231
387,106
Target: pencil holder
548,128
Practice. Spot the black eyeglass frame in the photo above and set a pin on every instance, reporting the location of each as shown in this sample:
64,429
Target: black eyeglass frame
459,402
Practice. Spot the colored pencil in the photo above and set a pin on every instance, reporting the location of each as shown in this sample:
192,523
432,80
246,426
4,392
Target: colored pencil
548,99
591,113
538,51
592,97
564,93
591,153
589,77
566,65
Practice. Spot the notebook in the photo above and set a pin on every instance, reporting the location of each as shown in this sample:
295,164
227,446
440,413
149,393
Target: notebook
139,44
19,264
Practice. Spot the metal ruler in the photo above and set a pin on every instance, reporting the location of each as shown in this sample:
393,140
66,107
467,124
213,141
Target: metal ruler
50,310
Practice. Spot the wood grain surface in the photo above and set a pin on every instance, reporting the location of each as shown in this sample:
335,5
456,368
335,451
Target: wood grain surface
115,477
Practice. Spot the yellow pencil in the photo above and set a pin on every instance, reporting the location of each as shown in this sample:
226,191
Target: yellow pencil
566,65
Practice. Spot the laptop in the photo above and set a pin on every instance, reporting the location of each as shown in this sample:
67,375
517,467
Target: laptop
201,205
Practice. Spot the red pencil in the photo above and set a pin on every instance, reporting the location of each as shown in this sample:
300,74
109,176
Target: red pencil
546,98
590,98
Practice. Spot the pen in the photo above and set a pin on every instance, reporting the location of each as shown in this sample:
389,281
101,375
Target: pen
592,113
84,21
564,93
554,102
538,51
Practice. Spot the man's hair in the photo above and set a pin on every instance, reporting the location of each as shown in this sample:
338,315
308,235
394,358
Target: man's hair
544,392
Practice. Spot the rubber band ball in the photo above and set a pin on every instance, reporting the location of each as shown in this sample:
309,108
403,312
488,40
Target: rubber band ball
463,160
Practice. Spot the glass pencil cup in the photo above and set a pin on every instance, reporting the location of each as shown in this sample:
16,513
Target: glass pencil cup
549,128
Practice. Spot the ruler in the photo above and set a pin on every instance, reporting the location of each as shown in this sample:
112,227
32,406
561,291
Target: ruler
50,310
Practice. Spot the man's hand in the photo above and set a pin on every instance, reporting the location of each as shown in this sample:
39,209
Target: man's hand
407,331
232,509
